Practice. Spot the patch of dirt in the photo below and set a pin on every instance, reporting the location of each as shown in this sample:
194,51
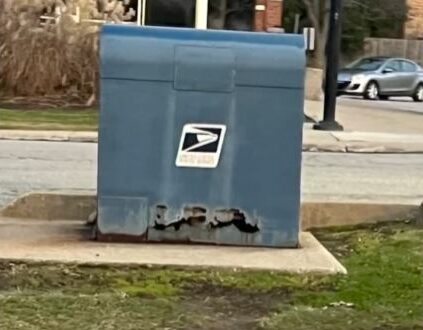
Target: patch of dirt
230,307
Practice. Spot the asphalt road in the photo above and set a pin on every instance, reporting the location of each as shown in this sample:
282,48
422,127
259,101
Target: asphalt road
393,104
31,166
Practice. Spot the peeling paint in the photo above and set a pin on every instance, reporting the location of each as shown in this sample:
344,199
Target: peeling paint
192,216
199,216
223,218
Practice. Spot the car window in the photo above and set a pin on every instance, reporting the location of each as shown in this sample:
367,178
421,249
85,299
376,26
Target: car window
394,65
367,64
408,66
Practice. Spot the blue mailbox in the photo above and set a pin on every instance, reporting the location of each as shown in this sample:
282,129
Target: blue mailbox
200,136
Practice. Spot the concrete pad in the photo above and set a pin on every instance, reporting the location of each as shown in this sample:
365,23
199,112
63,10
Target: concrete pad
68,242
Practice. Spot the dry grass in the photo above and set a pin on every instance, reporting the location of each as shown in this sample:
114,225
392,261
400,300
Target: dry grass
46,60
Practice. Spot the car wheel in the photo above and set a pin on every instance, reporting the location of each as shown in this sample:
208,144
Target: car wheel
372,91
418,94
384,97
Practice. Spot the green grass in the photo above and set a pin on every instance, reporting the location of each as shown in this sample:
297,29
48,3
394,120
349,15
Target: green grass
384,286
51,119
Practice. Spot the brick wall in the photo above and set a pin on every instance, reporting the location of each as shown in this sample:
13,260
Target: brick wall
268,14
414,25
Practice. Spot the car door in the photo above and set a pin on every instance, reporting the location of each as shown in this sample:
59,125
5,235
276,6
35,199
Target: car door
389,81
409,77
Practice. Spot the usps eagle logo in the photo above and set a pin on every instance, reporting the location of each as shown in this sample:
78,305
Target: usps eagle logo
200,145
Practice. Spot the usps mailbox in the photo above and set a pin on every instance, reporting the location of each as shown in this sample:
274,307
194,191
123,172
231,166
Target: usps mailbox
200,136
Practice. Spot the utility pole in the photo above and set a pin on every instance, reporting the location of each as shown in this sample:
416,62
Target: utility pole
332,61
201,12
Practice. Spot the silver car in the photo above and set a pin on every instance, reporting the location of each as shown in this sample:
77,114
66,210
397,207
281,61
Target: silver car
381,77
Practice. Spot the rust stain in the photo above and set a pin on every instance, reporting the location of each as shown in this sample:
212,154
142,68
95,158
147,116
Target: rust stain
120,238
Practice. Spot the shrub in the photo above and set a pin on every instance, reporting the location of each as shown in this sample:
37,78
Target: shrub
49,59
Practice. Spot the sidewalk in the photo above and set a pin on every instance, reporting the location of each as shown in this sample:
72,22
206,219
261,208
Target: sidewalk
366,131
366,119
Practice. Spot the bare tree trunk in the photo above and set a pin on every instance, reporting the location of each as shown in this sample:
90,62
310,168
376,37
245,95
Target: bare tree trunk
318,57
318,14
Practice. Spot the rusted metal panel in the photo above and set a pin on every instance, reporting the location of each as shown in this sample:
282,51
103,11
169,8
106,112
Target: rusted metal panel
198,224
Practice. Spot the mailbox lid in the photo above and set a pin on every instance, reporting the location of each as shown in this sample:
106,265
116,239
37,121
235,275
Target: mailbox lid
249,58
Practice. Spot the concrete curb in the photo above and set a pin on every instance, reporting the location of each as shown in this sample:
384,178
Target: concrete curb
79,206
325,145
314,147
53,136
51,206
362,149
334,214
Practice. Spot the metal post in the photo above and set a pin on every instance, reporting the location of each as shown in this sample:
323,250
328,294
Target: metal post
143,12
140,12
201,11
297,24
332,61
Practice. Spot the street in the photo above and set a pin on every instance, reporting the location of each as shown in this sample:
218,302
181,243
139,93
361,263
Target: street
393,104
29,166
49,166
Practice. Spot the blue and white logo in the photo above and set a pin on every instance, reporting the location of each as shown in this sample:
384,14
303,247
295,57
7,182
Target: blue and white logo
200,145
